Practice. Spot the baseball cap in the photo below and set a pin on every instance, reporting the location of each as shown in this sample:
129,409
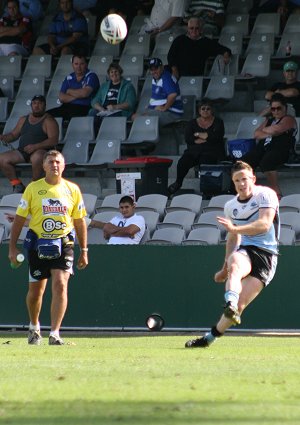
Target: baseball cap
39,97
290,66
155,63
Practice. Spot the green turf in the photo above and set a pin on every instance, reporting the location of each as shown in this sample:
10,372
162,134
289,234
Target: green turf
150,380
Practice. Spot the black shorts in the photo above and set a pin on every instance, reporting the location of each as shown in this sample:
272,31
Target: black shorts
41,269
76,48
25,155
263,263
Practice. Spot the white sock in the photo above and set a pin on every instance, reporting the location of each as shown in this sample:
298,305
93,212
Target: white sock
232,297
54,333
34,327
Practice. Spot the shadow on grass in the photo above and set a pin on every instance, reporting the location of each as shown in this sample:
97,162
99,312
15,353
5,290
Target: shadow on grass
81,412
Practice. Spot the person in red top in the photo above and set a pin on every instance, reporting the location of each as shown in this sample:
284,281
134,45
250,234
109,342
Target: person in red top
15,32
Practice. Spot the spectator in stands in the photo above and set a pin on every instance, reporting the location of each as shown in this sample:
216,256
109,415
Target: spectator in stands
68,33
189,52
211,12
289,88
127,229
38,132
15,32
204,137
276,136
32,9
164,15
77,91
165,101
115,97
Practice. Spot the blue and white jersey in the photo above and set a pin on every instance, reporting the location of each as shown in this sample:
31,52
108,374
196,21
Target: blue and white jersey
89,79
161,89
245,212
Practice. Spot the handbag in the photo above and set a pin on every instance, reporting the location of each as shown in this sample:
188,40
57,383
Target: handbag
237,148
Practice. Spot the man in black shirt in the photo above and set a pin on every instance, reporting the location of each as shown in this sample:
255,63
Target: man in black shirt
189,52
289,88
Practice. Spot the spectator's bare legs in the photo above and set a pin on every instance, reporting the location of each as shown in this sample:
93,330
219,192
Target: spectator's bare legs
59,297
272,178
38,51
36,160
34,300
8,160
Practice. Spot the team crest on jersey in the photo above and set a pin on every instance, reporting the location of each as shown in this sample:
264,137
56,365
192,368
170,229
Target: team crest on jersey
42,192
253,205
53,206
235,212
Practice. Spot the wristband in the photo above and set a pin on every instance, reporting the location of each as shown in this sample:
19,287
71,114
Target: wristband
84,249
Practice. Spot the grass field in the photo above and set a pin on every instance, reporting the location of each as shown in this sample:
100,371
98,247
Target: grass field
150,380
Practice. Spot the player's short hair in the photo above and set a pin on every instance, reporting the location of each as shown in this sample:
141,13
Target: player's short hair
239,166
126,200
52,152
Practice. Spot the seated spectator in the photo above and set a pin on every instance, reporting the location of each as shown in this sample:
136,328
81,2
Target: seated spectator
32,9
189,52
127,229
289,88
164,15
204,137
68,33
211,12
38,132
115,97
16,34
165,101
276,137
77,91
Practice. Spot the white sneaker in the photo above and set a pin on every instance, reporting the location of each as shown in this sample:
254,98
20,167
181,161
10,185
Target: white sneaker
34,337
55,340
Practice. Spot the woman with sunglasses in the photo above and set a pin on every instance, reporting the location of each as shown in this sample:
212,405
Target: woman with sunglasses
204,137
276,137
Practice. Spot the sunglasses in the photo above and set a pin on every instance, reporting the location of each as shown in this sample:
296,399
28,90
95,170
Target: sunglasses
205,108
277,108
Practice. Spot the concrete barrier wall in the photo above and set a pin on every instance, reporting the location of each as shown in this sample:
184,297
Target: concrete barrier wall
124,284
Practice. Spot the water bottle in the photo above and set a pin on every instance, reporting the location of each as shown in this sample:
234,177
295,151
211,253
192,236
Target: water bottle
288,49
20,259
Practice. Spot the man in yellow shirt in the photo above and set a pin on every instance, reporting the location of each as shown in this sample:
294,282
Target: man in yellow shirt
56,211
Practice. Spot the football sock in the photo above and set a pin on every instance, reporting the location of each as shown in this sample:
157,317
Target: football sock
54,333
232,298
212,335
34,327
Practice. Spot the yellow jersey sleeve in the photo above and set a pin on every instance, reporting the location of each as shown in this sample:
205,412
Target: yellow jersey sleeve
52,207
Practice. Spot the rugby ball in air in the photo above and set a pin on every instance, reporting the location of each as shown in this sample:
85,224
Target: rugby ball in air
113,28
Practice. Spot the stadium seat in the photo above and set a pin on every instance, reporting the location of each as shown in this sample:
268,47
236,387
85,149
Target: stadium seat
291,219
110,202
64,66
95,236
76,152
7,84
3,108
99,64
38,65
137,44
187,201
112,128
286,37
22,106
287,236
233,41
203,236
154,202
132,64
216,203
11,65
247,127
151,220
137,22
31,85
102,48
220,87
293,24
261,43
144,132
79,134
183,219
105,152
163,42
236,23
267,23
9,203
289,203
256,65
134,79
191,86
89,200
210,219
167,236
239,6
